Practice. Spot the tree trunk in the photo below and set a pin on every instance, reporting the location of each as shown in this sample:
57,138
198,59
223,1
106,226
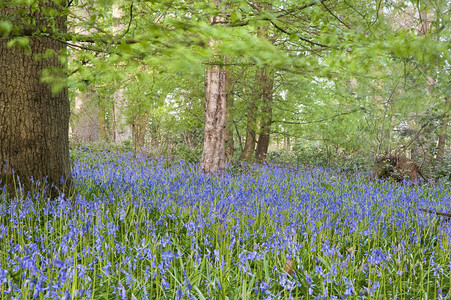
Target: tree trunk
213,155
105,132
122,130
443,131
85,119
265,129
229,144
251,122
287,143
139,128
34,122
154,132
85,128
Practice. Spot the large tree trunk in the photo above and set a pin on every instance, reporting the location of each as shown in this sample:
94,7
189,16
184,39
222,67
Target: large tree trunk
265,127
213,155
443,131
34,122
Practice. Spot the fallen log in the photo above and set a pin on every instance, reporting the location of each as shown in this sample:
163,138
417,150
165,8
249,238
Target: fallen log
439,213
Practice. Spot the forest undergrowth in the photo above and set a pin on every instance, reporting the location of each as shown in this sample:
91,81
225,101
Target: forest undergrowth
144,228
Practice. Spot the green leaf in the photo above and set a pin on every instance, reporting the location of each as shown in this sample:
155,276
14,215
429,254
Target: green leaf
21,43
142,77
5,28
235,16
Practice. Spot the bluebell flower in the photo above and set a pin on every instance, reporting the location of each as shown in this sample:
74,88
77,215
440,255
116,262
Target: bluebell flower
374,286
167,256
216,255
377,257
320,297
3,276
326,249
179,294
188,284
122,290
106,268
349,287
264,287
310,284
66,296
319,269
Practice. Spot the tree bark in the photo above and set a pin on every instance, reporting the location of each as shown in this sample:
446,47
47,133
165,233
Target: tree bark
229,144
34,121
213,154
122,130
139,129
85,128
251,122
265,127
105,132
443,131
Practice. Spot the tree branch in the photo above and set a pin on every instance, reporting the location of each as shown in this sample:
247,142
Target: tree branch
296,9
330,12
301,38
130,21
316,121
228,64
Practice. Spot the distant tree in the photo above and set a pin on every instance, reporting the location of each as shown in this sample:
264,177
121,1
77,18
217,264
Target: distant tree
229,142
85,120
122,129
443,130
251,119
267,84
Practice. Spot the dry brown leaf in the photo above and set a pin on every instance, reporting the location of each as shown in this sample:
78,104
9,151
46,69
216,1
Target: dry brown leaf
289,267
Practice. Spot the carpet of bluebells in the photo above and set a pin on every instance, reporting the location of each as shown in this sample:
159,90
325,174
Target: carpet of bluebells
144,228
